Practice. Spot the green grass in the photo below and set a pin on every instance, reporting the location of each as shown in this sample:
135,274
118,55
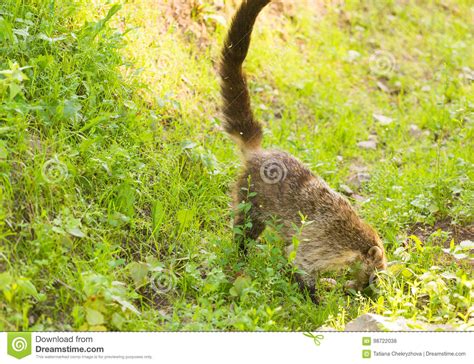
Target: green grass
115,175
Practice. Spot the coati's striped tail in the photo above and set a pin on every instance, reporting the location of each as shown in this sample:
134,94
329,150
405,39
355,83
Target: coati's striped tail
239,121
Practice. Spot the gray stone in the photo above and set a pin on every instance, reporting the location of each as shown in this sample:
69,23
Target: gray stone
346,190
373,322
414,130
358,178
367,144
382,119
352,55
359,198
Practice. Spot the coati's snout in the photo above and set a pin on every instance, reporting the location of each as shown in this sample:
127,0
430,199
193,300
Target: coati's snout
374,261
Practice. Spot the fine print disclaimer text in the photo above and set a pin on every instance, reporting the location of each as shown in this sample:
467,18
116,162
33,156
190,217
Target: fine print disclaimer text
76,347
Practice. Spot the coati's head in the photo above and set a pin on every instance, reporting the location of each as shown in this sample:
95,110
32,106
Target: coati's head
368,241
373,259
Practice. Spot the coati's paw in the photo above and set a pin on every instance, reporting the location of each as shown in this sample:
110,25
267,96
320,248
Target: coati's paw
352,285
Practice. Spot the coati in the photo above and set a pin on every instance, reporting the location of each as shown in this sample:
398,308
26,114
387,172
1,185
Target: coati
276,184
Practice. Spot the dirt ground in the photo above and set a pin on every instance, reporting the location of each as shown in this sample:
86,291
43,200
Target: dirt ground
457,232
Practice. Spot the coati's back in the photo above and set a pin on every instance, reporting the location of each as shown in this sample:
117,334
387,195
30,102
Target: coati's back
287,189
284,188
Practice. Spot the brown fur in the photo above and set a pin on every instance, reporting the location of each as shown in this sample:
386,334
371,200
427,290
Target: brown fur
282,187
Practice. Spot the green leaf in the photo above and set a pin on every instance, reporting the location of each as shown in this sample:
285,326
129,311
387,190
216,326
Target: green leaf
6,31
117,219
158,215
22,32
5,280
130,104
125,304
75,231
94,317
381,300
184,217
240,284
27,287
292,256
15,89
407,273
95,28
58,230
70,109
8,295
417,241
3,149
118,320
43,36
93,122
433,208
138,272
125,200
451,244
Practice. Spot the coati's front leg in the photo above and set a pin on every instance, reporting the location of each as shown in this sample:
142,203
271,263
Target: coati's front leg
248,220
307,284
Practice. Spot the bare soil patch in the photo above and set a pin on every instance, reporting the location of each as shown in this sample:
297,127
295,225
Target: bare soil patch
457,232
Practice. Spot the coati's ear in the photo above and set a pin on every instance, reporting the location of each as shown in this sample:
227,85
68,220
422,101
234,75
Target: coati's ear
375,254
